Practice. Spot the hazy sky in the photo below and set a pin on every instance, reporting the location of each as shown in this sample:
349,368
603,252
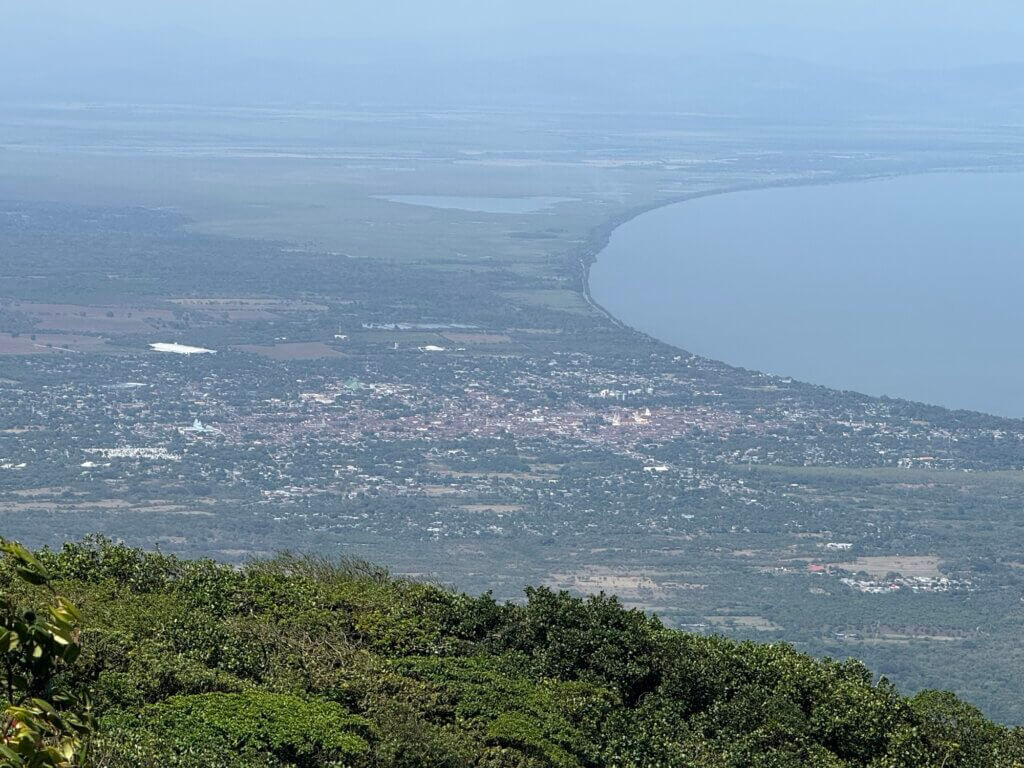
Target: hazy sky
70,47
856,33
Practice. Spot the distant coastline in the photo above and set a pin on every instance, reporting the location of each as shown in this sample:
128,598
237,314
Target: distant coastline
585,256
883,379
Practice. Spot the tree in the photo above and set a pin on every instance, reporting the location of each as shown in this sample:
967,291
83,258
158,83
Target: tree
41,726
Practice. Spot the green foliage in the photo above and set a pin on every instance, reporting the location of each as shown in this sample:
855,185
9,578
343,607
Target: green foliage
591,639
99,559
554,720
254,729
520,732
957,734
407,739
41,724
303,662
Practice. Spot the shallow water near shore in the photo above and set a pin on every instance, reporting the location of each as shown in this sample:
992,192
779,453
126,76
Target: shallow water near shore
910,287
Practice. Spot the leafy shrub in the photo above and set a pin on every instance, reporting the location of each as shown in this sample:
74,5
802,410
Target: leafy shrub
303,662
243,730
42,724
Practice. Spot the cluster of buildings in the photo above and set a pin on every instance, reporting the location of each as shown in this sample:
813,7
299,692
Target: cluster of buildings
908,583
450,445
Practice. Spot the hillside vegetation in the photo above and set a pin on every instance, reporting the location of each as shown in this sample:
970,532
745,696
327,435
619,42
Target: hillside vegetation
298,661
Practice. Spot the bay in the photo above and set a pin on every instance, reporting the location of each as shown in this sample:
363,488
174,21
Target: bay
910,287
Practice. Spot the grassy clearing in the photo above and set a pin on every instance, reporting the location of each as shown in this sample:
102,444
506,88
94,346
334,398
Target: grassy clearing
909,566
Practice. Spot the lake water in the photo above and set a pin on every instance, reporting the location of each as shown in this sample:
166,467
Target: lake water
481,204
911,287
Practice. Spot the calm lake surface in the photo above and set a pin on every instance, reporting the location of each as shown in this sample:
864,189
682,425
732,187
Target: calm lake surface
911,287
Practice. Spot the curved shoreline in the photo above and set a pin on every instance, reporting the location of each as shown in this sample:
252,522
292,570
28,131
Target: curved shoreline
600,237
587,253
585,256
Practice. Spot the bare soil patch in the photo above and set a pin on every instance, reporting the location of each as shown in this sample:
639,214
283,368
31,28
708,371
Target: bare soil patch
249,304
618,581
908,565
629,584
478,338
440,490
49,343
759,623
95,319
492,507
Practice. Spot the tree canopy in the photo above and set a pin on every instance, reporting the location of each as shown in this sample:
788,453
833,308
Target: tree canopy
301,661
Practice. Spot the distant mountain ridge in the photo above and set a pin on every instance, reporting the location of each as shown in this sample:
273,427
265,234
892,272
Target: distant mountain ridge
750,86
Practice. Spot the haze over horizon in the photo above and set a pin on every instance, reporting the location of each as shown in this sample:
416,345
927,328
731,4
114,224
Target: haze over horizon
737,57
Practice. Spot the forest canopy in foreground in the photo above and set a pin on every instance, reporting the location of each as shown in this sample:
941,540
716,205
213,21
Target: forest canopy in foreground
297,661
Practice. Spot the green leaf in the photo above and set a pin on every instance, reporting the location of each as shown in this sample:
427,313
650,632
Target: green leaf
32,577
10,754
26,559
69,608
44,706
